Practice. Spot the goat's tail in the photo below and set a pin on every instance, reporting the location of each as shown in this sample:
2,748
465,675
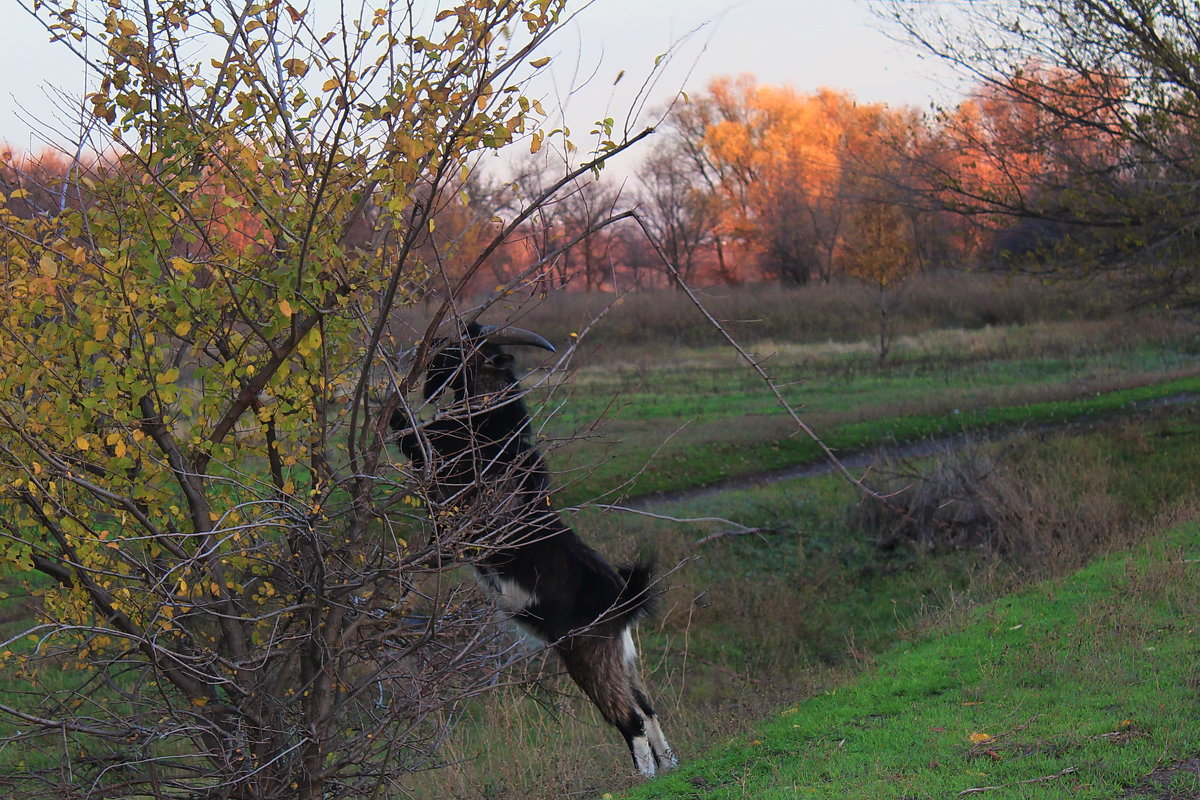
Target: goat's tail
637,595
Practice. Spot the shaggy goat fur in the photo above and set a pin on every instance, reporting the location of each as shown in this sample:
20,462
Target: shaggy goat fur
485,471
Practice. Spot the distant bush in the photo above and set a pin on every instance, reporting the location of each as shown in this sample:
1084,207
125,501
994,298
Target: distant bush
1044,506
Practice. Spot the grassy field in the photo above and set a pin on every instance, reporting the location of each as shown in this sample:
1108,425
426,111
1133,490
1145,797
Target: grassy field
779,602
755,623
696,416
843,311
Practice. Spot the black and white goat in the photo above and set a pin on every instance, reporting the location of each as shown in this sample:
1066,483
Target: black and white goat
484,470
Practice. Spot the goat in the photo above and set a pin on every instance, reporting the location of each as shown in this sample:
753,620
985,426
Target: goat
485,469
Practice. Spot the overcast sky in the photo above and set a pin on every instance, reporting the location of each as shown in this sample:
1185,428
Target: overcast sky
806,44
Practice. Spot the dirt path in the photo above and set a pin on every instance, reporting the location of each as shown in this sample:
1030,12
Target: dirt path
1157,785
861,459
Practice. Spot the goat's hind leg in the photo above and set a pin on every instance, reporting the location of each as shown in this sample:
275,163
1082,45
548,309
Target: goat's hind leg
605,668
651,746
635,730
652,733
643,733
664,756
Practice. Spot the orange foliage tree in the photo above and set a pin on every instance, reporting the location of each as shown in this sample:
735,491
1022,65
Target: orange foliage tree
1001,153
788,166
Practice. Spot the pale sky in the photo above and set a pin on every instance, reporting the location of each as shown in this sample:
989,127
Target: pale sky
806,44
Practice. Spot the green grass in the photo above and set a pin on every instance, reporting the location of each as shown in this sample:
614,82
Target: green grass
719,457
832,603
1084,686
696,416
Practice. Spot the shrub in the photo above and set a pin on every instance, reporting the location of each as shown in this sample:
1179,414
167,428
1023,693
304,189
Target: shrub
1045,505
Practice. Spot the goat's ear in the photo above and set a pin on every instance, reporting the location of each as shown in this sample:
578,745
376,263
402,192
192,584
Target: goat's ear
501,361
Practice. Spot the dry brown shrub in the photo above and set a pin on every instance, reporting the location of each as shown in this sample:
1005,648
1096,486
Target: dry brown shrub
1044,505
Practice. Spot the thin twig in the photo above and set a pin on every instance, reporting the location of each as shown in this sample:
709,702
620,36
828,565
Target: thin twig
755,364
726,534
735,528
1042,779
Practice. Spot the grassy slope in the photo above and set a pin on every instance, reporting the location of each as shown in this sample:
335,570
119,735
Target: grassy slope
1085,685
813,571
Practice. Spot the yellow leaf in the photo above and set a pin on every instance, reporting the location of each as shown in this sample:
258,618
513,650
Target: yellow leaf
18,194
289,487
182,328
330,85
286,308
182,265
82,443
186,186
199,701
295,67
976,738
539,63
79,256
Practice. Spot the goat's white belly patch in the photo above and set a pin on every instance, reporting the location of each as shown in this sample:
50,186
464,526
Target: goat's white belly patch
510,596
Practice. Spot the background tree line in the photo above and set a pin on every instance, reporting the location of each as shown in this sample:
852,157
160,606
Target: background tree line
753,183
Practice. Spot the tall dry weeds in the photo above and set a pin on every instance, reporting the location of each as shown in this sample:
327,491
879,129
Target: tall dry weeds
843,310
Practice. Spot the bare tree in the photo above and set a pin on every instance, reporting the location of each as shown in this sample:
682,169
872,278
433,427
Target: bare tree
1091,135
680,209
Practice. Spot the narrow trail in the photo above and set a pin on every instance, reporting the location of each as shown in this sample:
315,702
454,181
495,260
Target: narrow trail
862,459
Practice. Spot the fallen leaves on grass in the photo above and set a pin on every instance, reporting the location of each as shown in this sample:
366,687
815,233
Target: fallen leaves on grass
1126,732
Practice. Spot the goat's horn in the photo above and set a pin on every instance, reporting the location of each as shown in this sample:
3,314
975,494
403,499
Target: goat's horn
497,334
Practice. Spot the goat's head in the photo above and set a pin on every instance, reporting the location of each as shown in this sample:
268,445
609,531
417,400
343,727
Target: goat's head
477,365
